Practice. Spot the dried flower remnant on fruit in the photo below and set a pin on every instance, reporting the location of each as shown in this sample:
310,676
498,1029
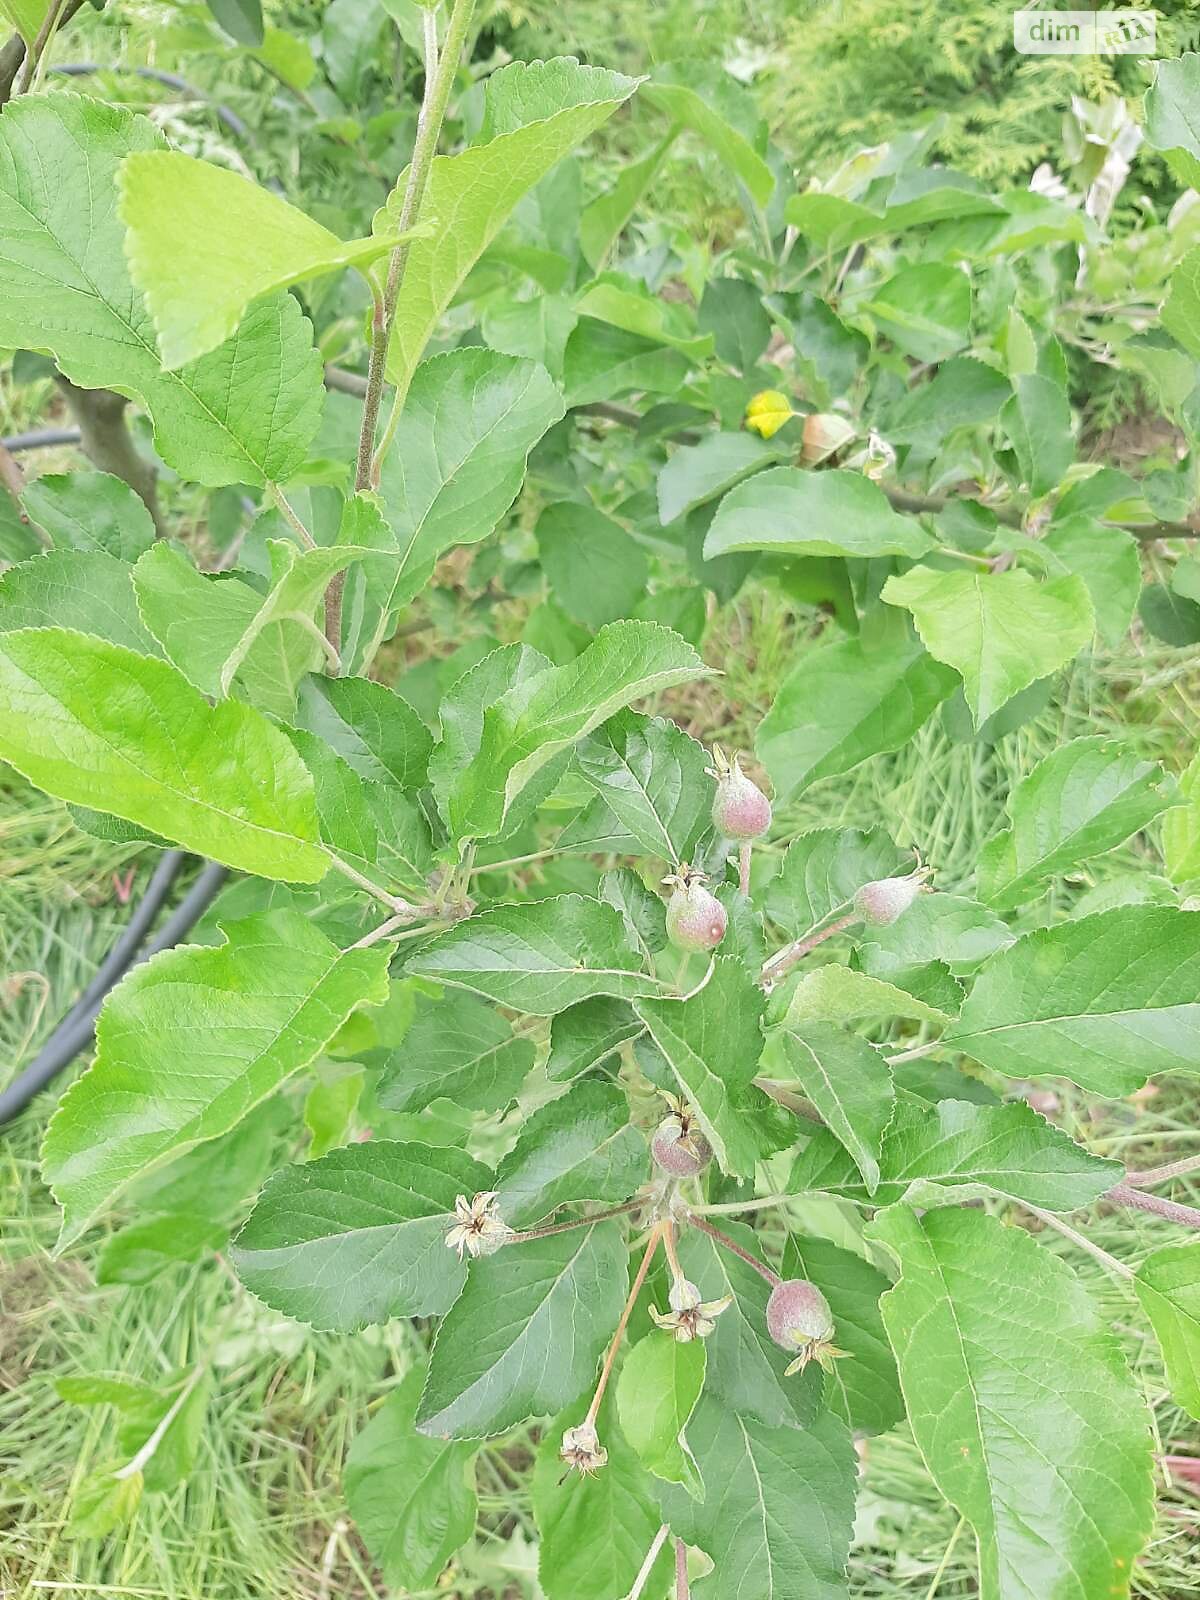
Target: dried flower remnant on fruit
887,899
825,433
690,1317
678,1145
479,1229
582,1451
767,412
879,458
799,1320
740,810
696,919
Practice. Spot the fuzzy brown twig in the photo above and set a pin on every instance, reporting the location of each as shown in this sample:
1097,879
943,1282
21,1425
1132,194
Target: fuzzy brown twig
12,53
1169,1210
108,443
13,480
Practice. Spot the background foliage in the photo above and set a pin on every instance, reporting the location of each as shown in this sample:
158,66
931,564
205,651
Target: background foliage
263,1510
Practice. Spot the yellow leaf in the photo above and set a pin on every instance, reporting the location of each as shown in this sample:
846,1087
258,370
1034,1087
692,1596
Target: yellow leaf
767,412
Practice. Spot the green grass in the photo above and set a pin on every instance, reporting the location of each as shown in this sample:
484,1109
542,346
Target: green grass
263,1516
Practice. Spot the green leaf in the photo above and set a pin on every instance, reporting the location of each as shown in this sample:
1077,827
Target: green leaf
834,993
698,472
644,914
652,777
344,811
963,393
732,310
145,1250
595,570
537,329
457,461
244,413
192,1041
187,222
198,619
679,92
26,16
779,1511
1107,1001
242,20
657,1391
455,1049
359,1236
925,310
1038,421
790,511
1105,493
956,1151
1021,1403
547,713
1000,630
1083,799
466,692
286,56
84,589
1109,561
1181,828
864,1391
745,1370
584,1035
330,1104
1169,615
217,1178
178,1411
1168,1285
540,957
90,511
836,222
936,927
462,712
843,704
412,1499
1179,313
95,724
87,1390
344,814
625,303
369,726
526,1333
579,1147
847,1080
1173,105
299,579
595,1532
102,1503
534,114
603,219
712,1041
823,869
601,362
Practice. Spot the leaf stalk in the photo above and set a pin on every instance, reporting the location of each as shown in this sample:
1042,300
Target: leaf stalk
439,80
734,1248
652,1243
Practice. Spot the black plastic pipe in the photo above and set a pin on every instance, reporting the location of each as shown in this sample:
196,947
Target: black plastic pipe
75,1032
172,80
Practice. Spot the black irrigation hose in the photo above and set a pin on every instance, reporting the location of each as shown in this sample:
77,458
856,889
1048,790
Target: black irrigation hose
77,1028
40,439
230,119
74,1033
135,930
